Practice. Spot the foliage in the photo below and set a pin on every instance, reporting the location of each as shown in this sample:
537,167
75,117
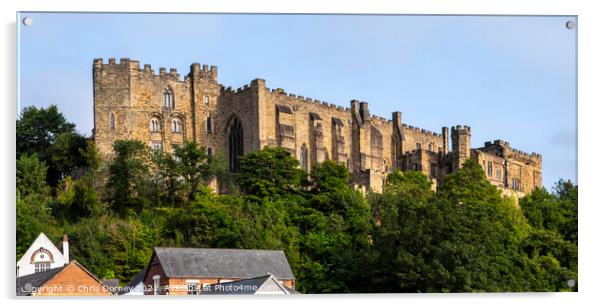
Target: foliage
268,173
128,182
465,237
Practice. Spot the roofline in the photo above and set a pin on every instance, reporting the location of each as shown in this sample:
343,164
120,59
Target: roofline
203,248
166,275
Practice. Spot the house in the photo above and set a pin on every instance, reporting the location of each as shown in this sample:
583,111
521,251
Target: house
181,271
136,286
72,279
43,255
267,284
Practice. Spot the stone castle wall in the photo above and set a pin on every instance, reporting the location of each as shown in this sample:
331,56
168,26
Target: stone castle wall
312,130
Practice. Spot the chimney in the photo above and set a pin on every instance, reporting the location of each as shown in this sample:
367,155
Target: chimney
66,247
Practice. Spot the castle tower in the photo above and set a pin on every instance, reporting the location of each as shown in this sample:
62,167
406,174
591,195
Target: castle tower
460,135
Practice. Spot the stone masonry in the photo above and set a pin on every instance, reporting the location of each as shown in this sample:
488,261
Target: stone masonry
163,111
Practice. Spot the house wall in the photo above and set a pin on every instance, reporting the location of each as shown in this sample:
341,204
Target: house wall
72,281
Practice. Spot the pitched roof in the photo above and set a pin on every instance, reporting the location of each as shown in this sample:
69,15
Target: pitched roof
26,284
266,283
230,263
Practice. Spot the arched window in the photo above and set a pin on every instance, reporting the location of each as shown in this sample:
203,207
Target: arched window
155,125
303,159
112,121
168,99
41,259
176,125
209,125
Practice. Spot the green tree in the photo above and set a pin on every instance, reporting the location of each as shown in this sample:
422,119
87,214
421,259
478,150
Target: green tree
38,128
196,167
76,199
268,173
66,155
128,183
31,175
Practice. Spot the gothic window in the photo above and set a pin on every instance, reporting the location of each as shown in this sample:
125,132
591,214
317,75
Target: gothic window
155,125
168,101
209,125
235,142
489,169
112,121
176,125
304,160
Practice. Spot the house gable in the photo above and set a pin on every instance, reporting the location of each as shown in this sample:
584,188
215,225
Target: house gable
41,249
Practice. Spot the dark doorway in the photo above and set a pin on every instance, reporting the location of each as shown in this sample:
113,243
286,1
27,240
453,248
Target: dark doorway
235,143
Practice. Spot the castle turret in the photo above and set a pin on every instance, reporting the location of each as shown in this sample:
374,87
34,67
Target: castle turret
460,135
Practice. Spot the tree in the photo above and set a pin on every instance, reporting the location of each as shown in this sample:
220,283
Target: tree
196,167
38,128
76,199
31,175
128,183
66,155
268,173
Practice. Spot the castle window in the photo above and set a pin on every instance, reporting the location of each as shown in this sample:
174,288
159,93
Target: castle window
209,125
516,184
303,160
112,121
430,147
176,125
433,170
209,152
157,146
418,146
168,99
206,100
489,169
498,173
155,125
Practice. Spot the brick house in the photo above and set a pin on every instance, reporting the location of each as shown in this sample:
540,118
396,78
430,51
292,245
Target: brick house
72,279
182,271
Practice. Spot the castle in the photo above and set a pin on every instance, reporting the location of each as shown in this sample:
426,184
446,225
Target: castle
164,111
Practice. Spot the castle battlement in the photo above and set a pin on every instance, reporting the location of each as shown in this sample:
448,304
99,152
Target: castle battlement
518,153
232,122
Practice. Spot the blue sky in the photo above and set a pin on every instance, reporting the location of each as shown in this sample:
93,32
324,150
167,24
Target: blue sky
511,78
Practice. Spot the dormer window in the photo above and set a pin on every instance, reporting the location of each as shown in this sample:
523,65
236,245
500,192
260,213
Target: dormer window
168,101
